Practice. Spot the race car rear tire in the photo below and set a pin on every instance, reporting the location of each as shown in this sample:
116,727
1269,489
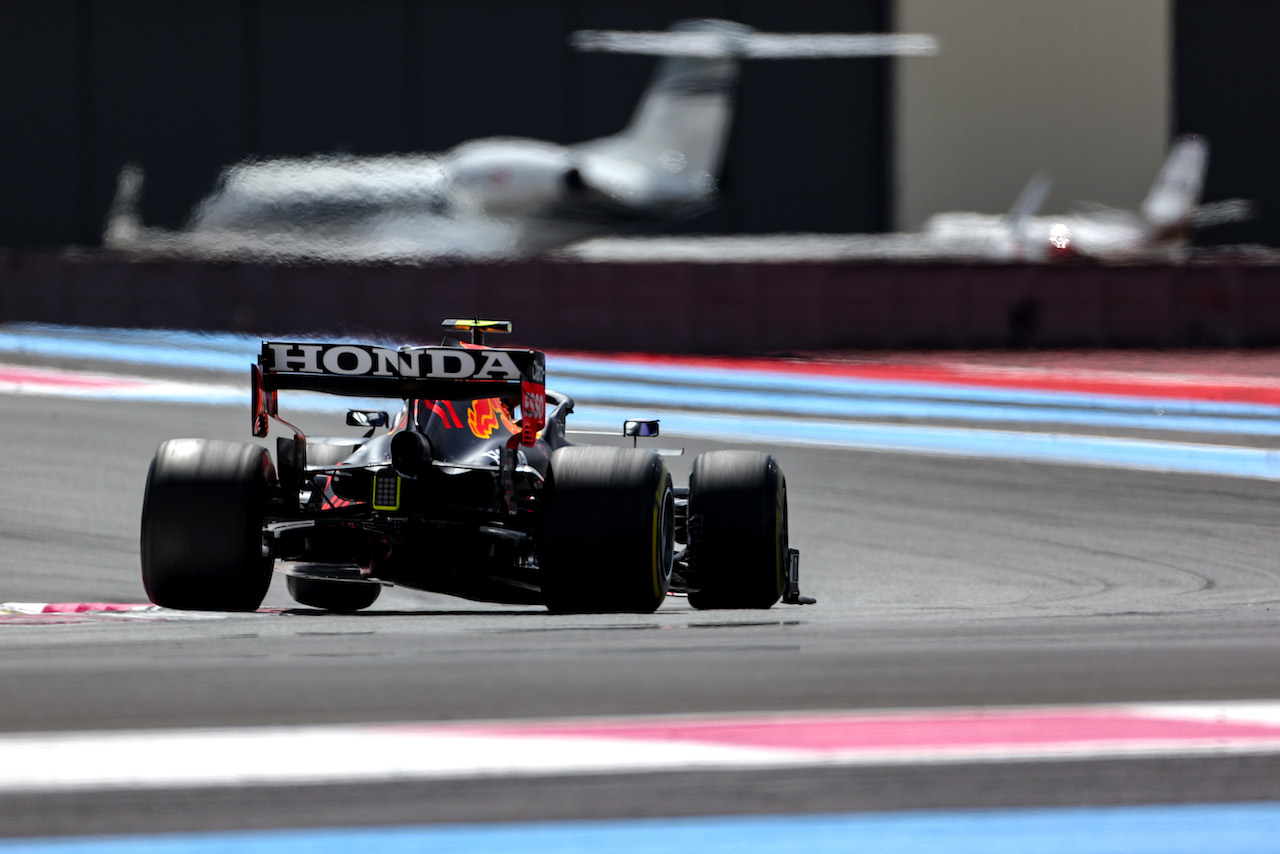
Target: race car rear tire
737,530
609,531
344,596
201,544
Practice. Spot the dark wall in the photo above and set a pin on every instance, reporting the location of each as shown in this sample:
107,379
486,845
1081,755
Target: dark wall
185,88
162,89
1227,69
665,308
46,148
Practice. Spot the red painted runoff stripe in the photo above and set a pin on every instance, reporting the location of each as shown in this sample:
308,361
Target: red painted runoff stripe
71,607
66,613
1160,375
18,375
913,731
82,607
1170,378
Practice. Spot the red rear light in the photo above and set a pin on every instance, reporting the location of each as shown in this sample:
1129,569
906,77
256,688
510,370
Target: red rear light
1061,247
258,403
533,411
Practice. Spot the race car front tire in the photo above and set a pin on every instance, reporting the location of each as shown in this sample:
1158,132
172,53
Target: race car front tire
201,544
609,531
737,530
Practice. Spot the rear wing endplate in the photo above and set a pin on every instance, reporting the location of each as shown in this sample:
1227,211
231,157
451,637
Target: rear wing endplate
428,373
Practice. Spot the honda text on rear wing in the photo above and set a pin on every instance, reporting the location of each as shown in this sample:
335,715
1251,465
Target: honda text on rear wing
461,372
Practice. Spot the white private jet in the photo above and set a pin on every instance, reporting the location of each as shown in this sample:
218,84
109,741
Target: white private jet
1157,232
502,197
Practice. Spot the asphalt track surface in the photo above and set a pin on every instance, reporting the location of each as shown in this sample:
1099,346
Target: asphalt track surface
942,581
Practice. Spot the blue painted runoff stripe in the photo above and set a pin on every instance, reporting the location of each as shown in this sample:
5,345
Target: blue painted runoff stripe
219,351
783,383
1247,828
764,406
605,382
1172,416
234,352
1063,448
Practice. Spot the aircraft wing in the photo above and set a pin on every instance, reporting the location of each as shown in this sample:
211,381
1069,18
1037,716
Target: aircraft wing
756,45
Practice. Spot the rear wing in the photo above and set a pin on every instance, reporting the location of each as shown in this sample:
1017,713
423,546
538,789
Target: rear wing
428,373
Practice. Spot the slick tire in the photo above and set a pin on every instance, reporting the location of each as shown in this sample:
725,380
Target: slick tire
202,515
737,530
343,596
609,531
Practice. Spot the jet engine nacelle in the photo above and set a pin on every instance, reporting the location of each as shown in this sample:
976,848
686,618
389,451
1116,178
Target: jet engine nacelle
509,177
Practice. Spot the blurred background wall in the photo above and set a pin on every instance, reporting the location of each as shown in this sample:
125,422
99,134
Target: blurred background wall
1079,89
1089,90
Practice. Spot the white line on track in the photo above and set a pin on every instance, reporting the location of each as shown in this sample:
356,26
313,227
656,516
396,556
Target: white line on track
42,762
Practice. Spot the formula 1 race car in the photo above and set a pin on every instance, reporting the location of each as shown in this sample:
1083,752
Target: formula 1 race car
472,490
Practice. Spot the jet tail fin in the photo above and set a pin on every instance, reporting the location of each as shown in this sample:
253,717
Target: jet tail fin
1175,194
1030,200
682,121
124,225
683,118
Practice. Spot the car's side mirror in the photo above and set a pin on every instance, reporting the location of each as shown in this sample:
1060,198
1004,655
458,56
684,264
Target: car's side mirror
371,418
642,429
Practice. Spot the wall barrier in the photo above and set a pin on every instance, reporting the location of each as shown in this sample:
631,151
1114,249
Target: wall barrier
666,308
